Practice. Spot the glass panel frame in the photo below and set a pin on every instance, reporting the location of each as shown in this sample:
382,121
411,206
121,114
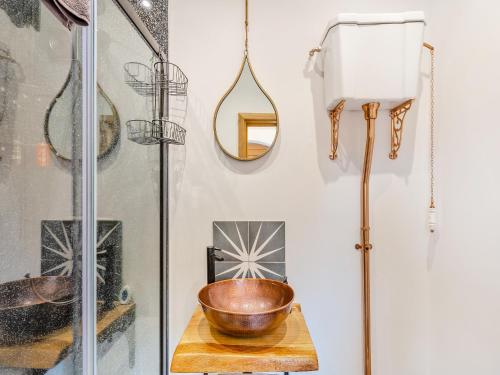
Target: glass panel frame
89,201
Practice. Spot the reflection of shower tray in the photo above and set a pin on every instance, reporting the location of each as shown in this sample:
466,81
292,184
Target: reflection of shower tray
158,131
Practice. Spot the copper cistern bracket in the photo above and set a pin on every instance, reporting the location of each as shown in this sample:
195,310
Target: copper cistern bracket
397,121
335,123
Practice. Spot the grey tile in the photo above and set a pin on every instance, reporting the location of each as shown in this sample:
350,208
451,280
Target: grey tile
250,249
268,237
230,234
225,270
274,271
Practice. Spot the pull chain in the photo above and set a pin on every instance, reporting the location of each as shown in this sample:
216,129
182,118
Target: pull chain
432,205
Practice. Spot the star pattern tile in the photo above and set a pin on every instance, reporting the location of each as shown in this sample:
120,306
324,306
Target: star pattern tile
60,244
250,249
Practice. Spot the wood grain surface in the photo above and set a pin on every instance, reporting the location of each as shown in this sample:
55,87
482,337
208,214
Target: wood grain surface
203,349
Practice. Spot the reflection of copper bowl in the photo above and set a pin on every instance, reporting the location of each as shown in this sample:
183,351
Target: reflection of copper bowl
32,307
246,307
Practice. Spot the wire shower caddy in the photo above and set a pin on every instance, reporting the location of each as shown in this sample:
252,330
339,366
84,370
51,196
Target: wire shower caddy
169,77
154,132
163,82
140,77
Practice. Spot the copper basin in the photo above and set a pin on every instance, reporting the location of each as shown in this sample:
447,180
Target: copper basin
246,307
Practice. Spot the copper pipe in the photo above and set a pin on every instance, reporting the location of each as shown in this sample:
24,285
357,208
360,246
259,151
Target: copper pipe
370,110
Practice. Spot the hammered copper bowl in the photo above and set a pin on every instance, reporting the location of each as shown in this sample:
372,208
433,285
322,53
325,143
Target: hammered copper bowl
246,307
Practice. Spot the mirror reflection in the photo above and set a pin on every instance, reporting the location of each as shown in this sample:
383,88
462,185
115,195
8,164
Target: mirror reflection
246,120
59,123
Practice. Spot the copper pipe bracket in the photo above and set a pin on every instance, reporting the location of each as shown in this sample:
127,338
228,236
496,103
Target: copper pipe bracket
335,123
366,247
397,121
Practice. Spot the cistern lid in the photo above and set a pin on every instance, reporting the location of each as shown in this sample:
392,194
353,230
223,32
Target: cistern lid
374,19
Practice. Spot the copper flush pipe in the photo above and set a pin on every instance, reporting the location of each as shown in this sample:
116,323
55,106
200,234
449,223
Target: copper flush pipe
370,110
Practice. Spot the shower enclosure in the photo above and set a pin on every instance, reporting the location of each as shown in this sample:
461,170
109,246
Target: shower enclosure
83,224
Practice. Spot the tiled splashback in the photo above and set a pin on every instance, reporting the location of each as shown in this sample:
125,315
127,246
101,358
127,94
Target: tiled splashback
60,242
250,249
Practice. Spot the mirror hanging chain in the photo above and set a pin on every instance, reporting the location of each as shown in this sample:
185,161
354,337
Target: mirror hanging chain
246,27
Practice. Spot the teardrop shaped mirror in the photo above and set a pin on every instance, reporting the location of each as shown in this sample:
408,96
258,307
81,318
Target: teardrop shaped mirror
246,120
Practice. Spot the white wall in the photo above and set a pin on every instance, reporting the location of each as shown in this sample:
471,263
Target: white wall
465,268
296,182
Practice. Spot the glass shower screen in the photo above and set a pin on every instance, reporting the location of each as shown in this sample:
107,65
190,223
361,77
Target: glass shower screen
128,196
40,195
49,183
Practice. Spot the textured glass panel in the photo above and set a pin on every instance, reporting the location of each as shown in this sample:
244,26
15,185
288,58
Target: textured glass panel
128,205
40,277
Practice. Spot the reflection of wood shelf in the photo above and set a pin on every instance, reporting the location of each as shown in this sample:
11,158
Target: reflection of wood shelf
204,350
53,348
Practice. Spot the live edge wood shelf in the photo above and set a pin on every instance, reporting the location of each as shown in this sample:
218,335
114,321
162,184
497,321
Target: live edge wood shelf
203,349
47,352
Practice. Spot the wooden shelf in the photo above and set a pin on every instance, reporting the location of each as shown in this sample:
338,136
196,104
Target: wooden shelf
203,349
47,352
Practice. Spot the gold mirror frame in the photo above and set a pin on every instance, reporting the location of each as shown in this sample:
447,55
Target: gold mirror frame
246,60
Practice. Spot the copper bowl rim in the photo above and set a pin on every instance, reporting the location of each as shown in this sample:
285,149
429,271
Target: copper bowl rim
283,306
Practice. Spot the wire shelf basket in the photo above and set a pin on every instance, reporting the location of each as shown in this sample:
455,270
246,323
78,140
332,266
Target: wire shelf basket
169,77
141,132
154,132
140,77
169,132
